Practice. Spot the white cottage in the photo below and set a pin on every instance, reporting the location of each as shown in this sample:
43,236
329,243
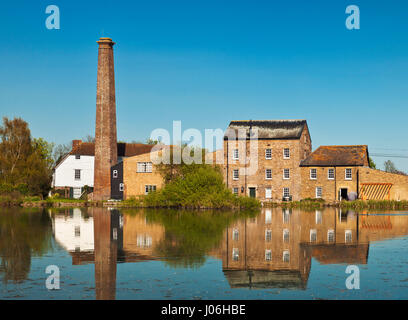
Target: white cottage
76,169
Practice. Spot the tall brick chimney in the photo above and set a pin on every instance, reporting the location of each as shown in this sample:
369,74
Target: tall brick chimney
106,154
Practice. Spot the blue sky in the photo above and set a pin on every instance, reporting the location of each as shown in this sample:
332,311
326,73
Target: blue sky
208,62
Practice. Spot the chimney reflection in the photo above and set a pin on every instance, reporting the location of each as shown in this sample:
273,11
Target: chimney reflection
108,239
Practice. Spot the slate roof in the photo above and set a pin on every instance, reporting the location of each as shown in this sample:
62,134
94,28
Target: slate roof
124,149
332,156
267,129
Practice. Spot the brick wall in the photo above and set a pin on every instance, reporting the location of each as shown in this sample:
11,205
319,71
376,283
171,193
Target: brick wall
399,190
299,149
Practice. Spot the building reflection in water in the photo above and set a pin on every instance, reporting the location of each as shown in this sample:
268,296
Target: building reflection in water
272,250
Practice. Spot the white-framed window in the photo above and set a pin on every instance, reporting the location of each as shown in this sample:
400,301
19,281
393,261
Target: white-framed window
319,191
286,192
145,167
313,235
313,174
268,235
286,153
77,156
235,254
318,216
235,235
286,215
235,191
121,187
77,174
286,235
268,255
235,154
348,174
268,154
330,174
286,174
268,216
330,235
235,174
144,241
77,231
286,256
268,193
348,236
149,188
268,174
115,174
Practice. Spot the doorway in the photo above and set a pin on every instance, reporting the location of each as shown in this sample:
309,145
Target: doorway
343,194
252,192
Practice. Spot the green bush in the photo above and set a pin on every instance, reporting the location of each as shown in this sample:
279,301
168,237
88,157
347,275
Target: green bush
199,186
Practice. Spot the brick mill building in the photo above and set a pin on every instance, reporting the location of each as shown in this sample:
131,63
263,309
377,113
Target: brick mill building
271,170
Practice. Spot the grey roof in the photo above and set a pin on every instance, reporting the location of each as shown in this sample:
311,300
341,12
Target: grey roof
267,129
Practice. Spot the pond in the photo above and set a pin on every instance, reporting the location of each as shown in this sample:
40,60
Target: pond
102,253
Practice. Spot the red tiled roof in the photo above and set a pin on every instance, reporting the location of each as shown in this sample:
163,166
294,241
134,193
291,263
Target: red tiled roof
124,149
337,156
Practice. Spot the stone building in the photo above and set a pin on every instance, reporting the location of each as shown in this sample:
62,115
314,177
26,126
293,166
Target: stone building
336,173
331,172
261,158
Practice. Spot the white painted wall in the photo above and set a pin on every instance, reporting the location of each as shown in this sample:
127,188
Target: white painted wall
64,175
64,232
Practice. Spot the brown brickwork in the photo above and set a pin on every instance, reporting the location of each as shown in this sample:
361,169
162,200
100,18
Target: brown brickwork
299,148
105,127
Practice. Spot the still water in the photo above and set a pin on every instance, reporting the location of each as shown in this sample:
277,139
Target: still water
165,254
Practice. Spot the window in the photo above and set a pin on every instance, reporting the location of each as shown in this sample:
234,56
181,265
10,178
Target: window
121,187
77,156
313,235
144,241
235,174
286,153
149,189
268,216
286,235
235,235
235,154
144,167
348,174
77,174
268,174
330,235
330,174
348,236
235,191
115,174
268,193
286,215
268,235
77,231
286,174
318,192
313,174
318,217
268,154
286,256
268,255
286,192
235,254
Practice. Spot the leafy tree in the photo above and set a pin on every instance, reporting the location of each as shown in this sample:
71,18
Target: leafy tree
390,167
23,160
371,163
